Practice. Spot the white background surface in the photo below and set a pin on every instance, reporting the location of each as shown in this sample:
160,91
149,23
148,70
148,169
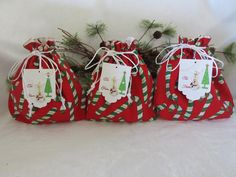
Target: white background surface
87,149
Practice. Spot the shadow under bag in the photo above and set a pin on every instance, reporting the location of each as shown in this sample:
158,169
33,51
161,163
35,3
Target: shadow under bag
172,104
69,102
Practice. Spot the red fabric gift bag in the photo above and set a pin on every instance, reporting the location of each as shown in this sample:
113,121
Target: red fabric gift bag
69,103
171,104
138,106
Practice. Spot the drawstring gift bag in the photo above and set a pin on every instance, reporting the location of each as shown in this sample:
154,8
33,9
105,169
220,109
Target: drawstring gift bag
43,88
122,88
190,84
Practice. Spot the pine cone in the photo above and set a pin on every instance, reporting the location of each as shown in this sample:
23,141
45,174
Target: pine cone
157,34
103,44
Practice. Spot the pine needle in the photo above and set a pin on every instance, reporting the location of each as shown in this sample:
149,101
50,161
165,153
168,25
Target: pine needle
96,29
145,24
70,41
148,25
169,31
229,52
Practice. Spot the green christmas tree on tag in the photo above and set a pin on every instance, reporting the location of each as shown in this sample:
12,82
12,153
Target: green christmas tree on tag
122,86
205,79
48,87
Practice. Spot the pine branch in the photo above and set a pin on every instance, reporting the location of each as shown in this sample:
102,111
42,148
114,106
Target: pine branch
156,35
148,43
72,43
96,29
229,52
147,25
169,31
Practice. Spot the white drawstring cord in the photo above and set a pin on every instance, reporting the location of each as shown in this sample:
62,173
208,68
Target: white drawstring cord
115,56
199,50
42,58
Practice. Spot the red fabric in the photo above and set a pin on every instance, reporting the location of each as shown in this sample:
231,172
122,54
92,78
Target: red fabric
217,102
40,113
131,113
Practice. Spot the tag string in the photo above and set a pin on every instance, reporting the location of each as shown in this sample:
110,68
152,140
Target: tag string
116,56
42,59
197,50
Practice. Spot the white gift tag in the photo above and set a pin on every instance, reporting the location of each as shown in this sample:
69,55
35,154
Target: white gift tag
195,78
39,86
114,81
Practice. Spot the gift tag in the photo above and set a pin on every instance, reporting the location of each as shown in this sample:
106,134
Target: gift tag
114,81
39,86
195,78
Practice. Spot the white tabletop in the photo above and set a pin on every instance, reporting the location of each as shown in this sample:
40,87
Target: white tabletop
92,149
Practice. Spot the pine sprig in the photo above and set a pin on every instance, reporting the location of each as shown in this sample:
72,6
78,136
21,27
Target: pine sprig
71,40
169,31
148,25
96,29
229,52
77,54
72,43
145,24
